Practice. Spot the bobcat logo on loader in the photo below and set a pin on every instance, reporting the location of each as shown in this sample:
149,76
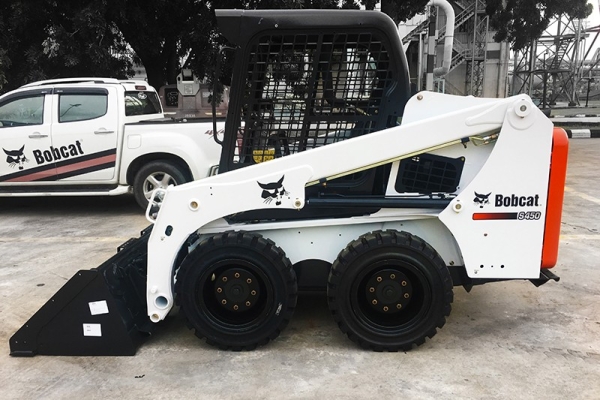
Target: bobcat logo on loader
481,199
273,191
15,157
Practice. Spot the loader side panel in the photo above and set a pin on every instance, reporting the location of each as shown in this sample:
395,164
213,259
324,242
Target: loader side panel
499,218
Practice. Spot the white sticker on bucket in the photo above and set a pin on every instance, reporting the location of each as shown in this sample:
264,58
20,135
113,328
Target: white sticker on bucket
92,330
98,307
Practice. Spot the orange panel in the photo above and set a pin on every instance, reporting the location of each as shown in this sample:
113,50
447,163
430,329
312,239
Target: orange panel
556,191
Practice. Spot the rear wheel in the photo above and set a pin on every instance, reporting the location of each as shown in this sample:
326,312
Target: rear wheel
237,290
156,175
389,290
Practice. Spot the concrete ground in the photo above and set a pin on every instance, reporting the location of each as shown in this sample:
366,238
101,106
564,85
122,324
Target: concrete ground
502,340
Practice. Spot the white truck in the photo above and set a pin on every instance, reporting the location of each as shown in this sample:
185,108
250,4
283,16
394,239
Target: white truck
98,136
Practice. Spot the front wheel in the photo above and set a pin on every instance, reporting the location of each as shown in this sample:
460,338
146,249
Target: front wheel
389,290
237,289
156,175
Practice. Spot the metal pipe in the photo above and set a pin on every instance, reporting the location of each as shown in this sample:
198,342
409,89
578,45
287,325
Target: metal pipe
449,39
420,64
430,53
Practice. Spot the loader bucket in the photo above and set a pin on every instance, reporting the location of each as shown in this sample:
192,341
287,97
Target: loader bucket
98,312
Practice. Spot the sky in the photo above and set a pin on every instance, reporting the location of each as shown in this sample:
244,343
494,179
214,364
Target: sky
593,21
594,18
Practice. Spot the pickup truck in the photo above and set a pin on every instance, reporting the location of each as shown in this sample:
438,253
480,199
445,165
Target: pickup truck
98,136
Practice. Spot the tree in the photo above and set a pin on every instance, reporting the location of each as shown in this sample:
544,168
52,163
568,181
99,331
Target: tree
40,39
398,10
521,21
167,35
162,33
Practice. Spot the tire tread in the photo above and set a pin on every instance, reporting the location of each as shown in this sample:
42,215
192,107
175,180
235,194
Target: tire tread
247,240
370,241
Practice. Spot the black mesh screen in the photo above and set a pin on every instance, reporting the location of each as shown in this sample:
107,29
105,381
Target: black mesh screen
308,90
428,173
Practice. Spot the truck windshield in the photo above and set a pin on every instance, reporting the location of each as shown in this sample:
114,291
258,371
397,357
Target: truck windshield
142,103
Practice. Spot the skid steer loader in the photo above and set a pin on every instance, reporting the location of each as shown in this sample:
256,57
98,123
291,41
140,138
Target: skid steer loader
331,178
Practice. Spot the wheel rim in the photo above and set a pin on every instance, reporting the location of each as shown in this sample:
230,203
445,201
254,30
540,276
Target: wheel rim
157,180
391,296
235,295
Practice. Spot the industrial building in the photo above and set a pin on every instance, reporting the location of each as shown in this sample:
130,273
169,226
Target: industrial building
562,65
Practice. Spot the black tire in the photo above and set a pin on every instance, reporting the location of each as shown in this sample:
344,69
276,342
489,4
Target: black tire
156,174
237,290
389,290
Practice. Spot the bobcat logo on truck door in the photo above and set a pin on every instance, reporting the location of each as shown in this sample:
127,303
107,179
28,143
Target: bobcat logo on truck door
15,157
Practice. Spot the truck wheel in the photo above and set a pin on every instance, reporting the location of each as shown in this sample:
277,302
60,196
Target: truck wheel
237,290
388,290
154,175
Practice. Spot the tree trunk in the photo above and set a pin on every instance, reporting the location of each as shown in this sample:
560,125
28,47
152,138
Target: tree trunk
154,71
171,60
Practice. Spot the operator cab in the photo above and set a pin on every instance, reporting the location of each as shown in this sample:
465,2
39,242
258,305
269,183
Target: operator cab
306,79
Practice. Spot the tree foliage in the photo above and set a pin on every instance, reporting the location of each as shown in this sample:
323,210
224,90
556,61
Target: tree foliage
521,21
400,10
41,39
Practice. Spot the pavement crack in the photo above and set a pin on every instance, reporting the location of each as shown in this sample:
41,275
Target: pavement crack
581,227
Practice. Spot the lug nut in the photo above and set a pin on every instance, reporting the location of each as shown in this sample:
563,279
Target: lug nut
385,308
219,290
404,283
237,275
248,304
224,279
235,307
392,276
371,289
248,281
253,293
223,301
398,306
379,279
374,302
406,295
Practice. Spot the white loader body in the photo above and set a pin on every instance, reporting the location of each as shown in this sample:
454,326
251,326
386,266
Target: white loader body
515,165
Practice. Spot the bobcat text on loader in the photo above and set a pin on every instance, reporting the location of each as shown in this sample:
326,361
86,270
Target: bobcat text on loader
338,180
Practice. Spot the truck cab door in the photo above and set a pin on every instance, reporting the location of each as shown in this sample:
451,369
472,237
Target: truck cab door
84,136
25,133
